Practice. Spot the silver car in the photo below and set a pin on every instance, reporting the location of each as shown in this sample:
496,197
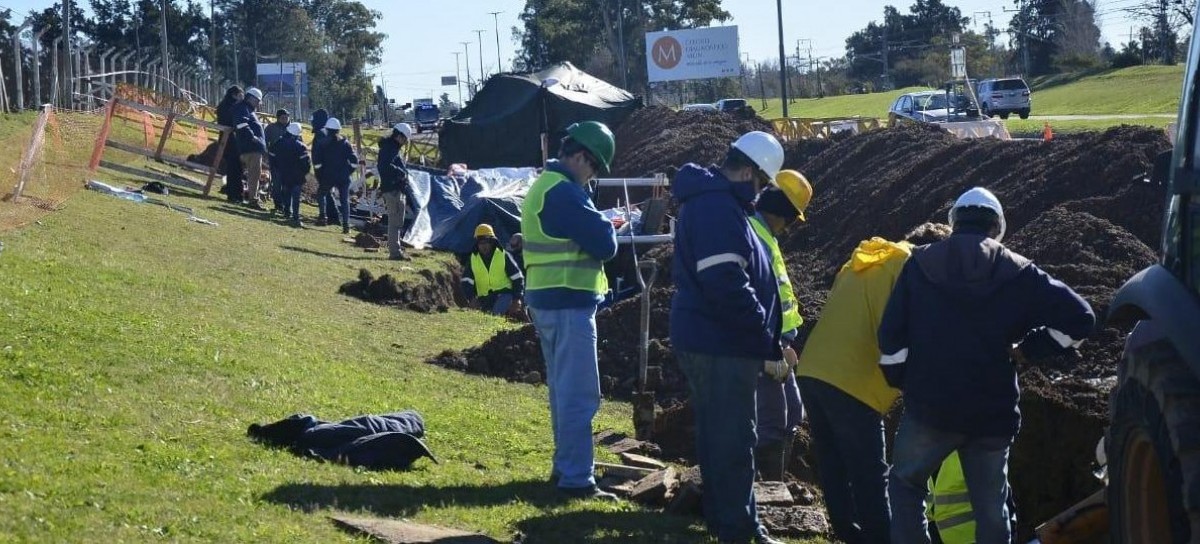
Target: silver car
1005,96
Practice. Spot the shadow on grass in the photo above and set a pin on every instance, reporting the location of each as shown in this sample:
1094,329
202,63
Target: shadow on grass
369,257
610,528
241,211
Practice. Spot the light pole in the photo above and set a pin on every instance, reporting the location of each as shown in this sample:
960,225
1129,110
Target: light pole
467,55
782,61
37,66
496,22
479,35
458,77
17,56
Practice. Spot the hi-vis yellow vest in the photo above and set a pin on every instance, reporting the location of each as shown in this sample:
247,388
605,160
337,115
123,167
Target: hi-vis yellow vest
950,507
787,297
555,262
489,278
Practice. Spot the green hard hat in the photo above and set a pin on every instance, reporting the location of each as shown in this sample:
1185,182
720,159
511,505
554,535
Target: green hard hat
598,139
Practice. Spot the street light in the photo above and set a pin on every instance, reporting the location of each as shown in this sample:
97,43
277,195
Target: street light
458,77
496,22
782,61
467,54
479,34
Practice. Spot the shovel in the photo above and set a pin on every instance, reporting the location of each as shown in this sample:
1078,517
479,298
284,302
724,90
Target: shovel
643,400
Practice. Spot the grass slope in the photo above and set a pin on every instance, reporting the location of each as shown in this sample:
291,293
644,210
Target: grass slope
135,348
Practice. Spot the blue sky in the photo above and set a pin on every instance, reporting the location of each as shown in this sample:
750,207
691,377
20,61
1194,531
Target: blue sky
423,34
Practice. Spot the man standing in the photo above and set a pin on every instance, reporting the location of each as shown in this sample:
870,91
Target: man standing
566,243
290,162
251,142
393,184
231,162
491,280
946,337
336,162
274,132
326,210
725,323
844,392
778,398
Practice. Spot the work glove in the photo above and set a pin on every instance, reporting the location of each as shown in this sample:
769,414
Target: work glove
790,357
776,369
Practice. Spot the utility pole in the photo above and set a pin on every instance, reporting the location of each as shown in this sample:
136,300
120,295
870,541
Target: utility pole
621,44
467,56
496,25
68,83
458,78
479,38
782,60
887,78
1164,31
212,37
166,62
762,87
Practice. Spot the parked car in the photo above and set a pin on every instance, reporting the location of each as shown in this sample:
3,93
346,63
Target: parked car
709,108
1005,96
730,105
919,107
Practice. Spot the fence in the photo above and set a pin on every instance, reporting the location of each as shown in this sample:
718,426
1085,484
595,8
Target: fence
47,161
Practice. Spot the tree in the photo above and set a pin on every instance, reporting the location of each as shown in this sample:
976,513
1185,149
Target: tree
1055,34
445,103
902,41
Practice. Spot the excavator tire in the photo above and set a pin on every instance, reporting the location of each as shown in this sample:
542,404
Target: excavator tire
1153,449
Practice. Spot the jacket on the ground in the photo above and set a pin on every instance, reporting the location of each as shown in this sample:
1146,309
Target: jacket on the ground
247,128
842,349
393,173
274,131
290,160
569,213
334,160
958,308
383,442
511,270
726,301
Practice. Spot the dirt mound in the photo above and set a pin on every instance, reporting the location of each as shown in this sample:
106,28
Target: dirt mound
436,291
654,138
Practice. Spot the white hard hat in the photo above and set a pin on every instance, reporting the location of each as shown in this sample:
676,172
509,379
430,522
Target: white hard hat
403,128
294,129
333,124
979,197
253,91
763,149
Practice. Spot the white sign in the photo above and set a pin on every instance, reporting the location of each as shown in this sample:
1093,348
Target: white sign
700,53
958,63
289,68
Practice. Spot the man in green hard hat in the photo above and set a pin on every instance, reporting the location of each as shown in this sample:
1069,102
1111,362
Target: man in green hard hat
566,243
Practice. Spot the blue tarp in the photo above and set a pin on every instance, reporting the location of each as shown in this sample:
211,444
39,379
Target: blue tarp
450,207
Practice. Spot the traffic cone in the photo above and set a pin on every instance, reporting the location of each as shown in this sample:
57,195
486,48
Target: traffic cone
1047,133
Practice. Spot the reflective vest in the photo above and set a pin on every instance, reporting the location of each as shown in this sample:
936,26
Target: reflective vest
555,262
787,297
950,508
490,278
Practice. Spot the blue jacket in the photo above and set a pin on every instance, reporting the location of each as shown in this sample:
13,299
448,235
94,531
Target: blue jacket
957,309
334,159
726,300
568,212
249,132
289,160
393,173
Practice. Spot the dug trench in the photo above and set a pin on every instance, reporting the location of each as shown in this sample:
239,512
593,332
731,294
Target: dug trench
1076,206
435,291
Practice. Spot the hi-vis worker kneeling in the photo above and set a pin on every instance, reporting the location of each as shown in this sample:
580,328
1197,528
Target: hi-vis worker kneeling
491,280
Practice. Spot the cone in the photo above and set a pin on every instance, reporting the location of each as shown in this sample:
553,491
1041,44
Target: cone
1047,133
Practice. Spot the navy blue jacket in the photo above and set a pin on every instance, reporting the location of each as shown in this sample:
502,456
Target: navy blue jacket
334,159
289,160
250,135
393,173
727,300
957,309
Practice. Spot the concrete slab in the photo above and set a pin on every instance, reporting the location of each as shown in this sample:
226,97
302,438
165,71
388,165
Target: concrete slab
397,531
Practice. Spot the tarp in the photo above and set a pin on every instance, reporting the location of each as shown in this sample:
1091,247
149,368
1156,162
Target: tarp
450,207
501,127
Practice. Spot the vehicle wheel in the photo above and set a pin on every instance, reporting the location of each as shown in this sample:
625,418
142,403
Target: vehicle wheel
1154,450
1024,114
1004,115
985,111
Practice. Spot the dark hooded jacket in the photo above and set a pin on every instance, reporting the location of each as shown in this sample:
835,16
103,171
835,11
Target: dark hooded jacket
393,173
379,442
958,308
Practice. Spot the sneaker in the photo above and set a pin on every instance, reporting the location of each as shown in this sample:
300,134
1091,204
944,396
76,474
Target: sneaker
590,492
297,223
321,222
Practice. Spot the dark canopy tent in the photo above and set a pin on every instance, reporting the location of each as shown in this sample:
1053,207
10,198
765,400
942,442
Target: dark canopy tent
502,125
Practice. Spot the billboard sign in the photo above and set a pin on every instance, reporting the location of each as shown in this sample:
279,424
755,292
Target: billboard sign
274,78
699,53
449,81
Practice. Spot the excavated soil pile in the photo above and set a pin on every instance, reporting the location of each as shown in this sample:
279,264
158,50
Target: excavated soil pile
434,292
655,138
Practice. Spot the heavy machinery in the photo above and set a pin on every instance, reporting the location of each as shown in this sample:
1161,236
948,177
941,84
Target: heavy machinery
1153,443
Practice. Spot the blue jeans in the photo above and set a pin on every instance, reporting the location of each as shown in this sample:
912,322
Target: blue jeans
722,390
848,441
278,192
291,201
343,189
568,338
497,304
919,451
779,409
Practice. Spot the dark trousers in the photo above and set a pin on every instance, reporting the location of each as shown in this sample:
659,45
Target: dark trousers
232,164
343,200
279,192
847,438
326,205
291,206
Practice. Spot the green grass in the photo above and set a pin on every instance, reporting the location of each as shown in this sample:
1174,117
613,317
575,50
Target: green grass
135,348
1032,127
861,105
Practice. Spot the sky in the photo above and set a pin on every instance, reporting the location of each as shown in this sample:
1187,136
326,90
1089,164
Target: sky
423,35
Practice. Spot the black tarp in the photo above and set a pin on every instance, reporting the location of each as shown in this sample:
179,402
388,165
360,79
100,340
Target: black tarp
502,126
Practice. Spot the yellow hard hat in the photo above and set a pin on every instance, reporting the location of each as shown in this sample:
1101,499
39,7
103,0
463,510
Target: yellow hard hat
485,230
797,189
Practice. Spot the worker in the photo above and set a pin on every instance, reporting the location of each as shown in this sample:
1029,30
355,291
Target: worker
251,142
393,185
231,162
326,210
845,394
946,336
567,242
274,132
291,162
335,162
491,280
725,323
778,398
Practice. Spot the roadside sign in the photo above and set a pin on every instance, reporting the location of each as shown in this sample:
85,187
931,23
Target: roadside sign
449,81
700,53
958,63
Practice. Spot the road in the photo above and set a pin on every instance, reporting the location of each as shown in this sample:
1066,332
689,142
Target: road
1101,117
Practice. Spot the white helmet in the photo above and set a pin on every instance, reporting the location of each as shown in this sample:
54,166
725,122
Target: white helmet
294,129
253,91
333,124
403,128
979,198
763,149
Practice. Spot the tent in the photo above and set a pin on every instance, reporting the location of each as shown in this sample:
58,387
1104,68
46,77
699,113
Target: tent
502,124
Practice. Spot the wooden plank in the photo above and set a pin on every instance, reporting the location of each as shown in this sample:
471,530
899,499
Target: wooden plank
102,138
623,471
175,181
635,460
216,165
166,135
130,149
165,113
395,531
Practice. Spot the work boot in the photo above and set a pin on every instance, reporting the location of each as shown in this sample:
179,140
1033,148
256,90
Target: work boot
321,222
345,229
404,257
297,223
590,492
768,458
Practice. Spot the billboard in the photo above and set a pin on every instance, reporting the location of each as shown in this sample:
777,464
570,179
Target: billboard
276,78
449,81
700,53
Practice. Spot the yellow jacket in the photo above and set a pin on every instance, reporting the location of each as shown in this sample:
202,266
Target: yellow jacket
843,350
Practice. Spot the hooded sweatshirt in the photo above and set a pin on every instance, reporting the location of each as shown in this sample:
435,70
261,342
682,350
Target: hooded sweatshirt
726,303
958,308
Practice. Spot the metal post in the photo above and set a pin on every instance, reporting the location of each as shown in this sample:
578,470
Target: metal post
166,59
68,83
87,67
125,66
151,71
18,72
458,78
56,88
496,24
467,55
37,66
106,69
479,35
621,44
782,61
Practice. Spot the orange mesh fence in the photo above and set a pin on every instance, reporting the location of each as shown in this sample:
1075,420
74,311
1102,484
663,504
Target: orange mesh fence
47,159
